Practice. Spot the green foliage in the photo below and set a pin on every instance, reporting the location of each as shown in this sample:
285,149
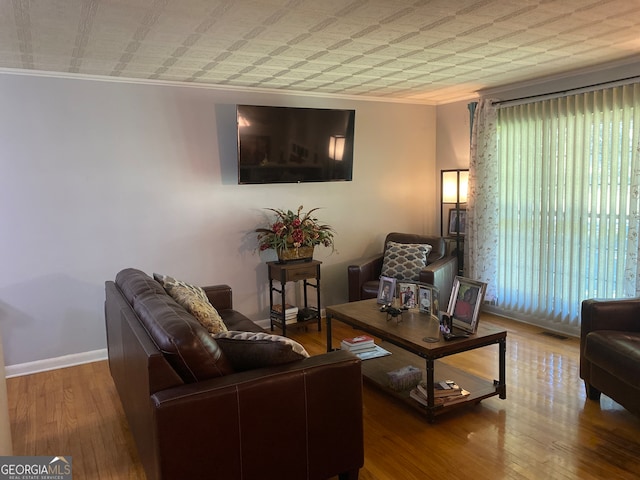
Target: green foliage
293,230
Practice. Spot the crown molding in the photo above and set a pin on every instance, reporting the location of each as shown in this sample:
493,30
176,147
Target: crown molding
210,86
570,80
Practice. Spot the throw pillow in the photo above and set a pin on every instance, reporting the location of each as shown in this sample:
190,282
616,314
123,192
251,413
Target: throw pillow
193,299
405,260
249,350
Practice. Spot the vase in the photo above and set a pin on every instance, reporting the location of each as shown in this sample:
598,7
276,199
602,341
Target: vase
293,254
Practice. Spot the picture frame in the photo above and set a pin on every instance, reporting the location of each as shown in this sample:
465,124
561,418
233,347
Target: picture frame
387,290
408,294
435,300
425,298
466,299
453,215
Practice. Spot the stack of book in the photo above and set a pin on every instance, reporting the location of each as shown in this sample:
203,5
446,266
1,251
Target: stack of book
359,344
363,347
446,392
290,312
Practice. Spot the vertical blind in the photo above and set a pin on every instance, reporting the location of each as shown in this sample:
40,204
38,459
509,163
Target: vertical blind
568,203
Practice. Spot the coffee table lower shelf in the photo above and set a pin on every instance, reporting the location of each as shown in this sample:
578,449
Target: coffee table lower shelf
375,371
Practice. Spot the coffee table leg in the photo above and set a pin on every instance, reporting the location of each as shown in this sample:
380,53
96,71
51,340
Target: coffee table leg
430,402
502,390
329,348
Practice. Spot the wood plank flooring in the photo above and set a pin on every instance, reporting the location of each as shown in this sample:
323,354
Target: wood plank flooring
545,429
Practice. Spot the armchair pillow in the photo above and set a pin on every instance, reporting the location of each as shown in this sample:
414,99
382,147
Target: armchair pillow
249,350
405,260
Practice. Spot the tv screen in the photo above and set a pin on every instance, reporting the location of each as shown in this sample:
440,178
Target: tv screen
292,145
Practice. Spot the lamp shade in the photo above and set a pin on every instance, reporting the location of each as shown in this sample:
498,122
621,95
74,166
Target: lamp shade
464,185
455,182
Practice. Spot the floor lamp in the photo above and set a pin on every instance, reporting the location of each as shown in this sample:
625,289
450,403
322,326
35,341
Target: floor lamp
453,189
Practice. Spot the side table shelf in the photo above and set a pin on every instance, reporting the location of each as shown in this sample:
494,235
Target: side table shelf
282,273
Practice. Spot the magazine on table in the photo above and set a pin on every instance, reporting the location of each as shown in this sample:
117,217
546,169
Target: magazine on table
376,352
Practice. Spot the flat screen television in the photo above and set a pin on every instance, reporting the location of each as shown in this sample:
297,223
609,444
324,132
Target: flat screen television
293,145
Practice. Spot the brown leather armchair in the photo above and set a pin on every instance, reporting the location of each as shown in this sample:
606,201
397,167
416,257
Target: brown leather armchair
440,270
610,350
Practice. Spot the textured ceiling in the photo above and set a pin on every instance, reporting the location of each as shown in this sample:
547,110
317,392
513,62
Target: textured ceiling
431,51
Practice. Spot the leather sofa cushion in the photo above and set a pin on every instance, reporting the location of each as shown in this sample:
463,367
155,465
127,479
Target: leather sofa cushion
616,352
186,344
236,321
133,282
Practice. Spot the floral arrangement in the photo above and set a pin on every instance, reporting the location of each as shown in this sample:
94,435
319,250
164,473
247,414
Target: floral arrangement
294,230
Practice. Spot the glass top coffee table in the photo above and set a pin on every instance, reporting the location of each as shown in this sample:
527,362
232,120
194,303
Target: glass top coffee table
404,336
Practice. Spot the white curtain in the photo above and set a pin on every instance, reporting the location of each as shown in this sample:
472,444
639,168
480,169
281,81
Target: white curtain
564,174
481,253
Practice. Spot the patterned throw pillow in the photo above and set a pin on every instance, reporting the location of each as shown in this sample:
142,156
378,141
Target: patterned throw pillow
249,350
405,260
193,299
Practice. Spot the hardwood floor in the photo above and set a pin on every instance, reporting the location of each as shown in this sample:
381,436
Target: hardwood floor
544,429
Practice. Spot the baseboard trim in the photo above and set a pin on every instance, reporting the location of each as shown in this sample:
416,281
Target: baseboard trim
55,363
74,359
77,359
264,323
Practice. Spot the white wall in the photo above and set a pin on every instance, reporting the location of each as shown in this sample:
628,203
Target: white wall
452,142
100,175
452,135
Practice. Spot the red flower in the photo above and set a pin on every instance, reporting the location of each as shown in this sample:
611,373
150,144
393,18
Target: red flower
278,227
298,236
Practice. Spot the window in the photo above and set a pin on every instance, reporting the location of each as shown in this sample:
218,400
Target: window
568,204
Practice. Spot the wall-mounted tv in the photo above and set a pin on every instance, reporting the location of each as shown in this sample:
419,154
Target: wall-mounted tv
292,145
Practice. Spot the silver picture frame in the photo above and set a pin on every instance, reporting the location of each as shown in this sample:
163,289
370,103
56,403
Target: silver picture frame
466,299
387,290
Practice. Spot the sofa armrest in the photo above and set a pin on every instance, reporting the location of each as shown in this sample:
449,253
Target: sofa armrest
441,274
620,314
241,423
220,296
597,314
360,273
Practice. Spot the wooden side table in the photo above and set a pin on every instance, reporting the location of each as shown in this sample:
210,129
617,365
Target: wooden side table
293,272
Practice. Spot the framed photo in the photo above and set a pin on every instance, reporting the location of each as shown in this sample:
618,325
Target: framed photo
435,300
453,218
387,290
465,302
408,294
425,299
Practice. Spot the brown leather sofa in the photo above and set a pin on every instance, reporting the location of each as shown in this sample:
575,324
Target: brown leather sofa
193,418
440,271
610,350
